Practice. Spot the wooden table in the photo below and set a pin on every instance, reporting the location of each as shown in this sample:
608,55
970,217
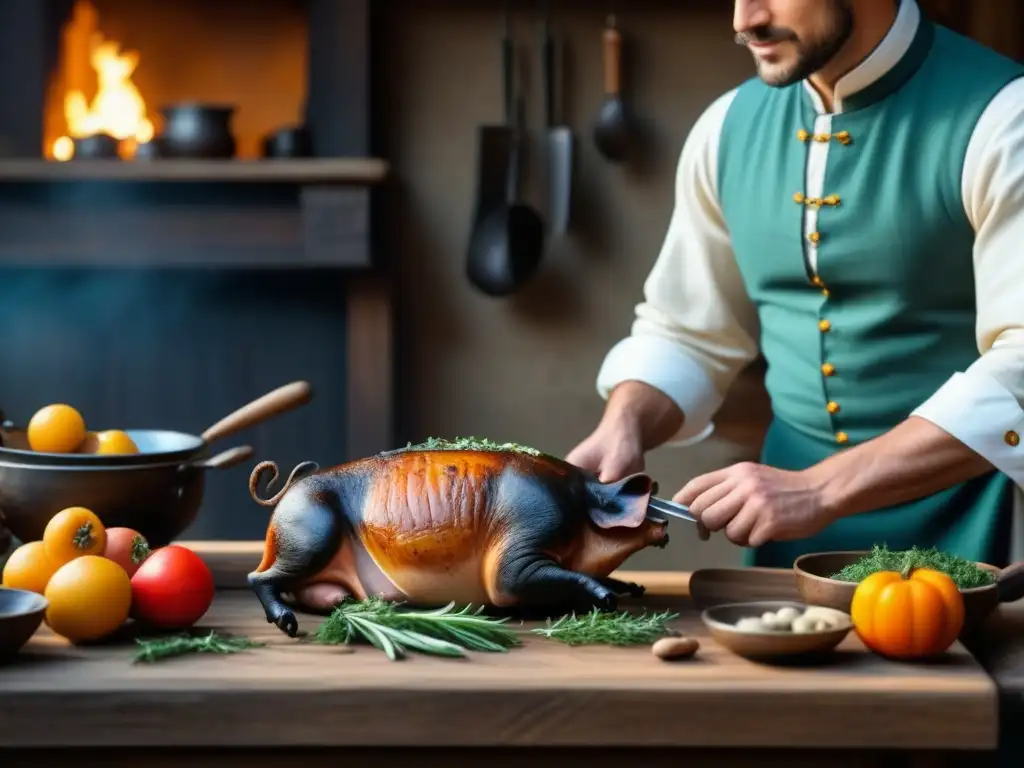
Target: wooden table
279,702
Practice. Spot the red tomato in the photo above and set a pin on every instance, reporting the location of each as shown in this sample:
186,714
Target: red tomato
127,548
172,589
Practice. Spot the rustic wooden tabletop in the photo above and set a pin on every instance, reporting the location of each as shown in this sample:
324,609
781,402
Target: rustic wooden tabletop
292,693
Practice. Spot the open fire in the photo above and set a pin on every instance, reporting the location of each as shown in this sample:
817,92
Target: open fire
117,109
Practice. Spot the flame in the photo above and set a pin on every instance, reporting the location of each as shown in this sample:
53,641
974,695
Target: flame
118,108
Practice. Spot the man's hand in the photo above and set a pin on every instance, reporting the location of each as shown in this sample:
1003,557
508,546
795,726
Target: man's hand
610,453
638,417
756,504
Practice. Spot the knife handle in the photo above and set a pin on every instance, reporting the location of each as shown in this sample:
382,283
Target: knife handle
612,58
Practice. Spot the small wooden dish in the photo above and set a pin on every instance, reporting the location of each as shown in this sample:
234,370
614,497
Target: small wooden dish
21,613
816,587
760,646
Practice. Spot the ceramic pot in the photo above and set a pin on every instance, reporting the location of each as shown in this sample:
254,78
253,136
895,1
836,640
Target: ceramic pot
197,131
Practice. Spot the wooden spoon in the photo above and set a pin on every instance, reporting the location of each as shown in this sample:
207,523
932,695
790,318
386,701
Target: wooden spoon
271,404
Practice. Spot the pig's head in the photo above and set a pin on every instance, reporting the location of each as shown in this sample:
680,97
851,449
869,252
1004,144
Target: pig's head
619,524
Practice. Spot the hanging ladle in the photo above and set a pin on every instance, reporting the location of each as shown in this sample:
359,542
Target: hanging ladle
611,128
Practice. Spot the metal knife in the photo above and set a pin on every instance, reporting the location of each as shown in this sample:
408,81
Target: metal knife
670,508
559,140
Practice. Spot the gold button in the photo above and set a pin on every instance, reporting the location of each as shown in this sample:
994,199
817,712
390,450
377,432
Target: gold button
814,237
798,197
833,406
822,137
843,137
831,200
828,369
1012,438
817,281
842,437
802,134
824,326
825,292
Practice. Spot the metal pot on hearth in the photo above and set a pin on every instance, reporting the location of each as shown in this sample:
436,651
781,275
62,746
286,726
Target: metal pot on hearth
194,130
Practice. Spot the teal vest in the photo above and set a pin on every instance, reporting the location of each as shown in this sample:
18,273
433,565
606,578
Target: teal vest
890,315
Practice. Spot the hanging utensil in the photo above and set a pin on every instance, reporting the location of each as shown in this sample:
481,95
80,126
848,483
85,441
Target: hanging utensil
612,128
507,240
560,138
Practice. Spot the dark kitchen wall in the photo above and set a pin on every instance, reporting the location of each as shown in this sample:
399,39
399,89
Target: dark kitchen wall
523,368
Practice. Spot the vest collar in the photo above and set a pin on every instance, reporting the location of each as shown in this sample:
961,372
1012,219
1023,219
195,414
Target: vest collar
888,66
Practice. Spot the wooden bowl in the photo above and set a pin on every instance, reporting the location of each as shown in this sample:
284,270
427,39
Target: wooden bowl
21,613
767,645
816,587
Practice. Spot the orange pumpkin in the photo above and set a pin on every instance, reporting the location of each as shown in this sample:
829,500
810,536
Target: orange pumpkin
908,615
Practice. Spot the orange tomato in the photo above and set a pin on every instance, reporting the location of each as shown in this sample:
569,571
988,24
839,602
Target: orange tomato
908,615
115,441
73,532
89,598
55,429
127,548
28,567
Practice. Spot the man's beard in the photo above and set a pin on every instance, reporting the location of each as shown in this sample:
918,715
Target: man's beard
810,56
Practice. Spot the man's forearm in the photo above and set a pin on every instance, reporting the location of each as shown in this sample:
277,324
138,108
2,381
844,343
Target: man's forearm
646,411
911,461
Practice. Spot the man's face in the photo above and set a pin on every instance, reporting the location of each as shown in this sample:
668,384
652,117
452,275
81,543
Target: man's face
792,39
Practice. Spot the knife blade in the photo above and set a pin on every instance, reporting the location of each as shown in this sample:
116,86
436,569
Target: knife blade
559,140
679,511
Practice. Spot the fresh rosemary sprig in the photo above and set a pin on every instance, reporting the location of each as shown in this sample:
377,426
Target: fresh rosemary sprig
465,444
177,645
394,630
603,628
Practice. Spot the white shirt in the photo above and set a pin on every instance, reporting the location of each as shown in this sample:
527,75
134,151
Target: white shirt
697,328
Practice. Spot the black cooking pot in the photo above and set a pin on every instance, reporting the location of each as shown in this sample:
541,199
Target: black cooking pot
194,130
157,500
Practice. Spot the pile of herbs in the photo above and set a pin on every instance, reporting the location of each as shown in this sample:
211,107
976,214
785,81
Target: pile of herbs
964,573
603,628
466,444
395,630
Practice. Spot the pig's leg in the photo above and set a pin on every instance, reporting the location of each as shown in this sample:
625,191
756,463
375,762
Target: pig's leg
306,533
622,587
542,581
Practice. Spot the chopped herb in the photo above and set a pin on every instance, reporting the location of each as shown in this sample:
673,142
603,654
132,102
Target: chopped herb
178,645
466,444
964,573
394,630
603,628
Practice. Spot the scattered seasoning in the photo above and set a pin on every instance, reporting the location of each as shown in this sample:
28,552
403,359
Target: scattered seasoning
396,631
604,628
465,444
177,645
964,573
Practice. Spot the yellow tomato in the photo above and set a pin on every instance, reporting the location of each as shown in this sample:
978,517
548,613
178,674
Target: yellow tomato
56,429
115,441
89,598
74,532
28,567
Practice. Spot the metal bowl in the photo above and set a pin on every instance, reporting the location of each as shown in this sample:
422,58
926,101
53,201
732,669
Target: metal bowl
157,500
21,613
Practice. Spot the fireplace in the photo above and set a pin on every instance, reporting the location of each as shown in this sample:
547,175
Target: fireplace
163,292
120,62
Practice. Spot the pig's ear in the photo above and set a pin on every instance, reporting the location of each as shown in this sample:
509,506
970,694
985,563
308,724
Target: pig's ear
622,504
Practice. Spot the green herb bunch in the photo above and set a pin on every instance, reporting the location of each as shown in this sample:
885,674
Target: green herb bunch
466,444
603,628
180,644
964,573
396,631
